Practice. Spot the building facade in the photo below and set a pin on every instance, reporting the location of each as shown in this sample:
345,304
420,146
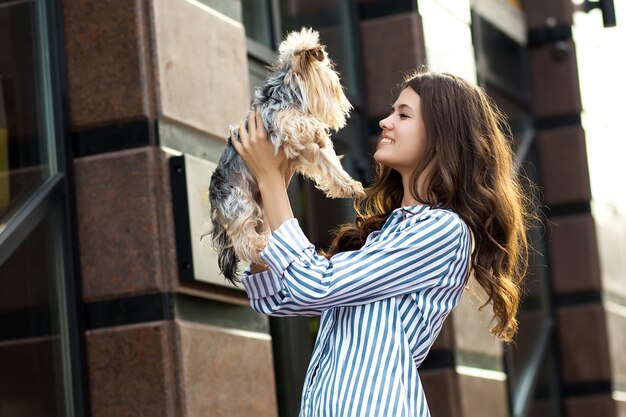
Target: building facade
113,115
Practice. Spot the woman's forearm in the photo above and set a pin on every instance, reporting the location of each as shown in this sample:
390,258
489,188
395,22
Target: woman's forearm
276,205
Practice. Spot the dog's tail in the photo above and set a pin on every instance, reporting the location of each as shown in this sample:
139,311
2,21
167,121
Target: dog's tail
227,259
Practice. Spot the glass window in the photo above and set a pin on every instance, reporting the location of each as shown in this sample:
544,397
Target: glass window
257,19
39,335
334,21
23,152
32,376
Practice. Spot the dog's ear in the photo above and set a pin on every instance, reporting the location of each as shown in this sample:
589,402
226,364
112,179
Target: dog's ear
304,59
317,53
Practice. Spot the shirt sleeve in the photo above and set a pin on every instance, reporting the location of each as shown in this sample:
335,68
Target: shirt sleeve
433,247
264,298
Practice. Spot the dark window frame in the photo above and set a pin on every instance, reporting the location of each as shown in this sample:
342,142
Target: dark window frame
56,192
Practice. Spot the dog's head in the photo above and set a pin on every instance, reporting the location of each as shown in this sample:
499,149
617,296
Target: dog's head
310,70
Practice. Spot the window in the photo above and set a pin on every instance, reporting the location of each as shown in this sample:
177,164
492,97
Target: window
24,160
39,338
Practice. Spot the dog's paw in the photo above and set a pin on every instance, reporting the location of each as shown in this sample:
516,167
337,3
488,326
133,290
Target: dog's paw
345,190
357,189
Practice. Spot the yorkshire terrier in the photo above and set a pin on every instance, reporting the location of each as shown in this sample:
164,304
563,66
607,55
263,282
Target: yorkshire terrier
299,102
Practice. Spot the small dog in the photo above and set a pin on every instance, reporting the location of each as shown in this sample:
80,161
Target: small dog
299,102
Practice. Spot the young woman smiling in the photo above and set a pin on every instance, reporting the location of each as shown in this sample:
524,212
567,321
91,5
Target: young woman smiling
445,206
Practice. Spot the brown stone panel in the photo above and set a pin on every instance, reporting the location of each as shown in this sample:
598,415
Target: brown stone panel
574,264
541,408
392,46
226,372
108,61
583,344
472,324
540,13
442,392
592,405
120,221
563,165
555,89
131,371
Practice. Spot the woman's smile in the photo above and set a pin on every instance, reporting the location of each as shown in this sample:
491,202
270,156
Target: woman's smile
404,129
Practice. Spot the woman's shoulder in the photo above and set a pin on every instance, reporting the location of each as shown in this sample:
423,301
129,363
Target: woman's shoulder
430,215
436,221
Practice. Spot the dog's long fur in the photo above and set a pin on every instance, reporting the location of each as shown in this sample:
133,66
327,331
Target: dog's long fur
299,102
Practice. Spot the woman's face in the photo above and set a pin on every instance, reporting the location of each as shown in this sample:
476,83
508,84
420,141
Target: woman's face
403,139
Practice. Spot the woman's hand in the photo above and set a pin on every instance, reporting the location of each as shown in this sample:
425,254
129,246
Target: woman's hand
258,153
270,168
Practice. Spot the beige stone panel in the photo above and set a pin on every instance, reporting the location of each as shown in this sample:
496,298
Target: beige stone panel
616,324
202,66
611,237
482,397
471,325
226,372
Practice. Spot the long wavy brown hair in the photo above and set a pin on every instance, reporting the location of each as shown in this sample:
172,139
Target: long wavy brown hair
473,175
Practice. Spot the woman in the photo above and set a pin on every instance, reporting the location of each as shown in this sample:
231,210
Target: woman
445,204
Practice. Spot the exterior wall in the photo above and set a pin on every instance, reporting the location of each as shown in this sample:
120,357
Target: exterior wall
574,262
143,74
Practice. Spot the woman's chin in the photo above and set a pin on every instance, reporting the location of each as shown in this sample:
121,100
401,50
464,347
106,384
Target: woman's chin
380,158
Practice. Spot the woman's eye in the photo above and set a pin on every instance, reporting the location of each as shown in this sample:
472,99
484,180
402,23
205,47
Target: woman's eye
402,116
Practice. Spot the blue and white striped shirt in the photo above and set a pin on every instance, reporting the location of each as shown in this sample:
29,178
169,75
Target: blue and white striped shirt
381,307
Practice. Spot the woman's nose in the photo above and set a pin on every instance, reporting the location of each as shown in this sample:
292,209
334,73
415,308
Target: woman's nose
385,123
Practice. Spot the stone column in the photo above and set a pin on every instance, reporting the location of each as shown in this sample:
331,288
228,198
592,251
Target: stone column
145,74
581,328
